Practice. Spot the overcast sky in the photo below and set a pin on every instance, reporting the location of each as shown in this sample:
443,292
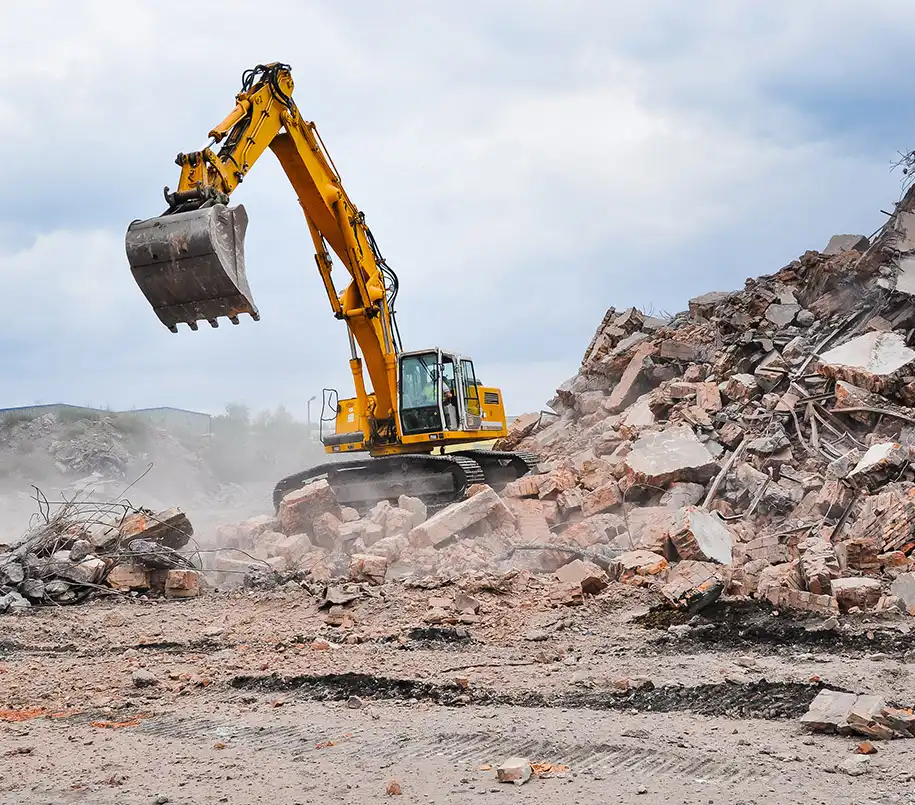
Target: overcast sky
523,165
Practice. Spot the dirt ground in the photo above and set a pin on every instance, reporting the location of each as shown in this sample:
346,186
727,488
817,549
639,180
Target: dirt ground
244,703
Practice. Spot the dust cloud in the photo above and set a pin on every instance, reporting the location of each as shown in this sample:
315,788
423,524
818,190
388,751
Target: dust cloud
224,476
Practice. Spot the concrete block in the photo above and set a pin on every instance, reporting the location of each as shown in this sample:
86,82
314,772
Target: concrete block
453,519
828,711
857,592
701,536
587,575
182,584
602,499
128,576
843,243
299,509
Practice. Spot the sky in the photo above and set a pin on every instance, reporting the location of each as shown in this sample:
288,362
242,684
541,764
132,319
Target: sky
523,164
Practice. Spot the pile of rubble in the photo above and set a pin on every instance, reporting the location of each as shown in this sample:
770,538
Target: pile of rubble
85,548
759,444
313,533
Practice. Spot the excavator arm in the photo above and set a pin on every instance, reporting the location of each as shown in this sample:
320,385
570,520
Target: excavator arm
189,262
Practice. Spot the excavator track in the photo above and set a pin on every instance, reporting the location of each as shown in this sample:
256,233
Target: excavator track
436,480
502,466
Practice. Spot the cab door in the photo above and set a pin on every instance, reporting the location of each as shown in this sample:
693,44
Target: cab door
469,396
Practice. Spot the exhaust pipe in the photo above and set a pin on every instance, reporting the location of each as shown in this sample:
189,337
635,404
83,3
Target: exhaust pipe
190,266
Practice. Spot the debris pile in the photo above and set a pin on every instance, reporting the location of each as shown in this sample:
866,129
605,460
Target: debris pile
869,715
760,443
86,548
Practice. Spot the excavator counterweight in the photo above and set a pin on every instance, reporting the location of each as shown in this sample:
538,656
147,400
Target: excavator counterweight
191,265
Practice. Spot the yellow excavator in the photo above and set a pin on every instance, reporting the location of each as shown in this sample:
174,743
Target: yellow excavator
189,263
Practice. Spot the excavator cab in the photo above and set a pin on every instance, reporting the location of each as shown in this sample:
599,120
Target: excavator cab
191,265
438,392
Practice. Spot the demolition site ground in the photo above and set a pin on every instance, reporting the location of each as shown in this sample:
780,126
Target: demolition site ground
250,697
703,593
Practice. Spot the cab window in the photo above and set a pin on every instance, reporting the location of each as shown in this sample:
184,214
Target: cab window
419,403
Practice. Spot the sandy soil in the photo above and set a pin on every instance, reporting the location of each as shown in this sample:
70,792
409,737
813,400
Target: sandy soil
244,707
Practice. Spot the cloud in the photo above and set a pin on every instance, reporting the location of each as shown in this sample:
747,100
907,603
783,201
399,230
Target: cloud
523,166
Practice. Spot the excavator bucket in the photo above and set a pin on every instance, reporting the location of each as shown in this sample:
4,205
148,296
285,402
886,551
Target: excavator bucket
191,265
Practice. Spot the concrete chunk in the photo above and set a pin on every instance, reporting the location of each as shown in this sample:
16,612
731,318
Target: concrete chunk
693,585
878,462
366,567
858,592
708,304
128,576
843,243
515,770
638,566
872,361
701,536
626,390
555,482
782,315
742,387
182,584
415,506
828,711
904,588
443,525
674,454
299,509
602,499
586,574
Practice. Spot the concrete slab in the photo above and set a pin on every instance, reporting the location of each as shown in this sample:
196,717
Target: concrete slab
829,710
874,353
782,315
674,454
843,243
